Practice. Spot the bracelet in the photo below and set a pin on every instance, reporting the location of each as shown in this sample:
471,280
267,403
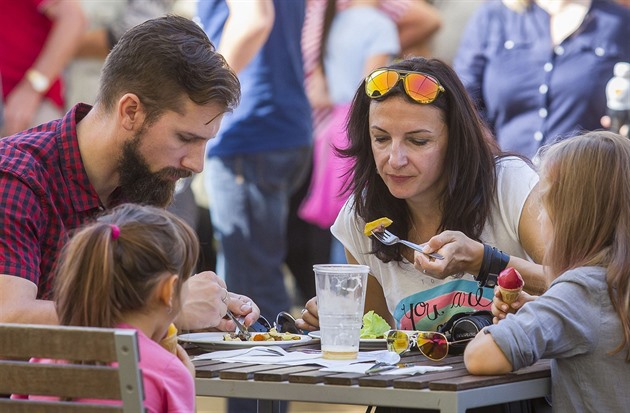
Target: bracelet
494,261
38,81
485,265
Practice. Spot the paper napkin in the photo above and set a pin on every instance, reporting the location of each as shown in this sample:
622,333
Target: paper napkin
360,368
262,355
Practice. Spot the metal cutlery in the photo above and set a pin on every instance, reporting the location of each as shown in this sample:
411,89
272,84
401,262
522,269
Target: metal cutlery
241,328
388,238
383,366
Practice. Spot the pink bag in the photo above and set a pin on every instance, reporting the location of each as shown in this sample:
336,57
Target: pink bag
324,199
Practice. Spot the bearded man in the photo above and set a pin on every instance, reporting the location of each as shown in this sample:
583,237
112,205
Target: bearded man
163,93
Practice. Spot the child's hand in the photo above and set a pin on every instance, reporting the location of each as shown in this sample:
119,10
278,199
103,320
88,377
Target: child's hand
501,309
183,356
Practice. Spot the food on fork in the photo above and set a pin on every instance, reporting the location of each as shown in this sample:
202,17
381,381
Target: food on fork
169,342
510,284
271,335
378,225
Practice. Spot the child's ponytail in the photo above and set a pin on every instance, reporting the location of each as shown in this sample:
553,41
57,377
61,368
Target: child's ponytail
110,267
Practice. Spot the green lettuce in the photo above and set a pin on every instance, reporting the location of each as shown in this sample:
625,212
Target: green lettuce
374,326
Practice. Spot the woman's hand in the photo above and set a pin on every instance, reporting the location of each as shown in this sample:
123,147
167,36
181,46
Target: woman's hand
310,318
461,254
500,309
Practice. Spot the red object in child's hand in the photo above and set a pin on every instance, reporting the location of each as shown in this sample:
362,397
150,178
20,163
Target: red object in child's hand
510,279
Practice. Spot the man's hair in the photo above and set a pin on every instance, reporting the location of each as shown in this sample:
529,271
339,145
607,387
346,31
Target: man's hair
163,61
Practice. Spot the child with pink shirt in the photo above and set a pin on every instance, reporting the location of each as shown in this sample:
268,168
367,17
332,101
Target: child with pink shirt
127,270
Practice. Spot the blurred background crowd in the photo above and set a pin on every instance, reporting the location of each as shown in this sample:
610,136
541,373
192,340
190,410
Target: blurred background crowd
533,81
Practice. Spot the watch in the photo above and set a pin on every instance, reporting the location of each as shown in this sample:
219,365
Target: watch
39,82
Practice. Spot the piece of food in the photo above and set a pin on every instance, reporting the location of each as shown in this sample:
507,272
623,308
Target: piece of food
377,225
170,341
510,284
374,326
272,335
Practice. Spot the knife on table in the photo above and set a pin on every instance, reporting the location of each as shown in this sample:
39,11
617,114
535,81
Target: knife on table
381,366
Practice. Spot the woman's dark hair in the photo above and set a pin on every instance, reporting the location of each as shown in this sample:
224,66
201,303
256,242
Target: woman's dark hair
163,61
469,165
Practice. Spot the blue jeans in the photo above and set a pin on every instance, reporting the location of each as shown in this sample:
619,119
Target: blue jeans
249,205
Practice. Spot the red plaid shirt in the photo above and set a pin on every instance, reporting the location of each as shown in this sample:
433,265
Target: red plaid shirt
44,193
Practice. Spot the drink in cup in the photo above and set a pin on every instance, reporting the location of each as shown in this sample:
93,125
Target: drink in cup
340,301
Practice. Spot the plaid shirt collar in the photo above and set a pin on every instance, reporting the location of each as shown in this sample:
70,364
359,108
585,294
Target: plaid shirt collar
83,194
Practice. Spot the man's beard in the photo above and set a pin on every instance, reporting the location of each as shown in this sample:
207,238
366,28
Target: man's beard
141,186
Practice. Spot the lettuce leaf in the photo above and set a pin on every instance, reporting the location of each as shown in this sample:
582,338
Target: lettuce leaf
374,326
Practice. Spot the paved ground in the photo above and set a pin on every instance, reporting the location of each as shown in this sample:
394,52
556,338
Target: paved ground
217,405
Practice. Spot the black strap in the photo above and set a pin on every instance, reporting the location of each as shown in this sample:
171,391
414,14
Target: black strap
494,261
446,328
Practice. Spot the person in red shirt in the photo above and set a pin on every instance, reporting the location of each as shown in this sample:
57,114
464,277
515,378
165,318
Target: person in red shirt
37,40
163,94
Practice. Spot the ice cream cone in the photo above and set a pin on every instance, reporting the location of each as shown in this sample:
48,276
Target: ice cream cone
510,285
509,295
170,341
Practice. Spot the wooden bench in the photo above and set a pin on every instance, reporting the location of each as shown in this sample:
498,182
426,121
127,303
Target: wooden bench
88,372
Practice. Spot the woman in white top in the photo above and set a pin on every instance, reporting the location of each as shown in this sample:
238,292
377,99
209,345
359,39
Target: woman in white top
424,159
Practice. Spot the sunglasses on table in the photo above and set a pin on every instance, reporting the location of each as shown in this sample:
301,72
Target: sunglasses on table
432,345
420,87
284,323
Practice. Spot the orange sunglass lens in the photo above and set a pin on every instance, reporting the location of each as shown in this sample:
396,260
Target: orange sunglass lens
421,88
433,345
380,82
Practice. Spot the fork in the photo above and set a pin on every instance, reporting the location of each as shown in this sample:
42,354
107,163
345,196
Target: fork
388,238
239,325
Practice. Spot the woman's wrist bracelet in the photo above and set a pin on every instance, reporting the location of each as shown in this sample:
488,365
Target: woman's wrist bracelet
494,261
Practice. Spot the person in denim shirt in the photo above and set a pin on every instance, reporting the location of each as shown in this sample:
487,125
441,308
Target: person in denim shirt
538,69
262,152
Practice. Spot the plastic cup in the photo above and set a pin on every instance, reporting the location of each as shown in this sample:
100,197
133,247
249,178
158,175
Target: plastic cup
340,302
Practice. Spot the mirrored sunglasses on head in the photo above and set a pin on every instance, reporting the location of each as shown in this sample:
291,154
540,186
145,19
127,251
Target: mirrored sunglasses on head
421,87
432,345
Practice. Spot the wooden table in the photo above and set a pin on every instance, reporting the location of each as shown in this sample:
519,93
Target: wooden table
451,391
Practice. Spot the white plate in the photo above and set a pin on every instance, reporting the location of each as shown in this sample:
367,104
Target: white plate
214,341
363,342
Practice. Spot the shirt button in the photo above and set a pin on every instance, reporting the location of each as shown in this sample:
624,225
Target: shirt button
548,67
538,136
559,50
599,51
542,112
509,44
542,89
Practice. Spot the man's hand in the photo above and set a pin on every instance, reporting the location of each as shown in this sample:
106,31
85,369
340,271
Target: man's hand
242,307
203,306
207,302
